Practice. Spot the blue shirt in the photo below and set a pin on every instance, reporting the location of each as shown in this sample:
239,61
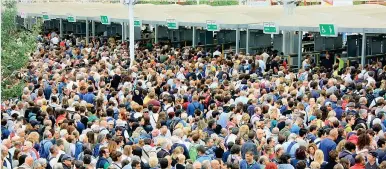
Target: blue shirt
339,112
193,106
245,165
89,98
203,158
223,120
327,145
295,129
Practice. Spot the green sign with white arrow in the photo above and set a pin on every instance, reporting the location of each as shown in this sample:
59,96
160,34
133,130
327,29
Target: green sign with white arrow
212,26
137,22
71,18
105,20
270,28
172,24
45,16
328,30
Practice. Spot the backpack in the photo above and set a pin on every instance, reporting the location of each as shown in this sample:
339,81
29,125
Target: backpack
193,152
42,151
96,150
290,147
174,123
48,163
78,149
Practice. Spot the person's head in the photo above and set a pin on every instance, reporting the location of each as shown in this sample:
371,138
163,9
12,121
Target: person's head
153,162
319,156
333,155
136,164
164,163
314,165
249,156
104,152
301,164
284,159
372,156
338,166
334,134
116,156
215,164
349,146
67,160
359,159
29,161
196,165
300,153
270,165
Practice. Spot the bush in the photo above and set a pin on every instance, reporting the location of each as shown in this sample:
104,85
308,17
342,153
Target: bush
17,44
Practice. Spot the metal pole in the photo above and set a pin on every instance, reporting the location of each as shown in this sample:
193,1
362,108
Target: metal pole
363,49
194,37
247,43
61,28
300,49
123,31
156,34
93,29
131,17
284,50
87,32
238,40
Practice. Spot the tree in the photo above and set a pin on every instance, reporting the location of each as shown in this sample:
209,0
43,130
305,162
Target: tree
17,45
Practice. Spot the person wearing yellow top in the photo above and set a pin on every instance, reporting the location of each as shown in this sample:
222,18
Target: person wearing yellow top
350,122
340,62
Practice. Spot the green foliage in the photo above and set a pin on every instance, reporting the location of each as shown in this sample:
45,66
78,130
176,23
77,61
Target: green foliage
16,44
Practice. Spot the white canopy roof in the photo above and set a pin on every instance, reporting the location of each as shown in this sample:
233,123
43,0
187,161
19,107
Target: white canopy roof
357,18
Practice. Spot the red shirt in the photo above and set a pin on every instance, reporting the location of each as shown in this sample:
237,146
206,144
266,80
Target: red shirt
358,166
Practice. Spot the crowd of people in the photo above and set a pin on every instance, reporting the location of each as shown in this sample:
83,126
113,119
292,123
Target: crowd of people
84,108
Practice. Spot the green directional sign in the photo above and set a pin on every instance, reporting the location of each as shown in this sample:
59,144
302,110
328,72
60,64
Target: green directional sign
137,22
328,30
105,20
71,18
270,28
45,16
172,24
212,26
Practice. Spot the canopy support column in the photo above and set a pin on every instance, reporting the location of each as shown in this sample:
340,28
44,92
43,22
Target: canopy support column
61,28
123,31
300,49
87,32
247,43
156,33
238,40
284,44
363,49
93,29
194,37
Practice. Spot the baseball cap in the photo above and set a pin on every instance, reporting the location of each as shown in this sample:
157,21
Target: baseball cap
312,118
66,157
374,154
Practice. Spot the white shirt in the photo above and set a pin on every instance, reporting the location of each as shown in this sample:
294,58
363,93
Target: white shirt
55,40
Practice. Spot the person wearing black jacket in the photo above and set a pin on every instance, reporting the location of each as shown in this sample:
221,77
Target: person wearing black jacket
327,62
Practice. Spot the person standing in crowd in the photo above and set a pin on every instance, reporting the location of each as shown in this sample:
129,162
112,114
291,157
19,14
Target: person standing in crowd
187,110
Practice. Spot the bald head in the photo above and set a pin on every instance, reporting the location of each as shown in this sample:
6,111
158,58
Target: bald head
215,164
196,165
7,143
103,123
29,161
334,134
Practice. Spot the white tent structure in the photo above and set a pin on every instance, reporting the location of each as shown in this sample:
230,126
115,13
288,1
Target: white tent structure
349,19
